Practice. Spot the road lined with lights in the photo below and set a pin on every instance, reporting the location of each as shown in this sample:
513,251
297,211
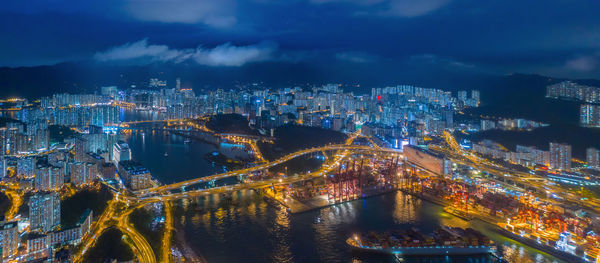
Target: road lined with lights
102,224
271,164
162,194
168,233
458,155
146,254
121,206
16,199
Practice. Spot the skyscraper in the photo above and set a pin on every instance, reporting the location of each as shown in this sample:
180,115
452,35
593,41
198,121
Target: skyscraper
25,167
3,166
589,115
560,156
9,238
475,96
593,158
121,152
49,178
83,173
462,95
44,211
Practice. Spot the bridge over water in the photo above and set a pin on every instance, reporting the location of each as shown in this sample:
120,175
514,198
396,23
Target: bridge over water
337,147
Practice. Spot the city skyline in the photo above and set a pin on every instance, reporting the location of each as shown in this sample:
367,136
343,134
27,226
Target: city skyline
69,145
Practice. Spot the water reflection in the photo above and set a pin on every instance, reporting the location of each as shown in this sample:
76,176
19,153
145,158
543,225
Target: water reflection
243,228
184,161
246,229
405,208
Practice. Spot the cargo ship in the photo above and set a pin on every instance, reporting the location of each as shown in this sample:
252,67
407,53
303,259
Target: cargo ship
543,244
443,241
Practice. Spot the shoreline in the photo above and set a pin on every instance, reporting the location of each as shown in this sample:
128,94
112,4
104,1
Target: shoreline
489,221
186,251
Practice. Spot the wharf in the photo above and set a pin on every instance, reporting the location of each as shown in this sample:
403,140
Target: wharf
296,206
493,221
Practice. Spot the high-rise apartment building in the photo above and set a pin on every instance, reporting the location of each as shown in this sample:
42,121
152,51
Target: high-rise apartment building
487,125
593,158
157,83
121,152
25,167
573,91
9,238
83,173
44,211
49,178
589,115
110,91
475,95
462,95
560,156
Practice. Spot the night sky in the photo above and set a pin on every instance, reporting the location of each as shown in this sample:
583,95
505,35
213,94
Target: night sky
559,38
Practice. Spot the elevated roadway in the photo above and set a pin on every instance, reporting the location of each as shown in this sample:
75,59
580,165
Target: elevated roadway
336,147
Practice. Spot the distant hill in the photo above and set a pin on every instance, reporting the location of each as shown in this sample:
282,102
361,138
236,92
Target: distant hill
88,77
524,96
230,123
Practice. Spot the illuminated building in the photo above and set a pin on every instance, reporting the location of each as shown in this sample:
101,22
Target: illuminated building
589,115
135,175
560,156
25,167
49,178
487,125
573,91
528,155
462,95
3,166
73,235
9,238
44,211
83,173
8,138
475,96
157,83
493,149
103,115
429,161
593,158
121,152
110,91
38,246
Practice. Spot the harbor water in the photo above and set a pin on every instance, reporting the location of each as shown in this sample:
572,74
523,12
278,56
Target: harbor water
244,228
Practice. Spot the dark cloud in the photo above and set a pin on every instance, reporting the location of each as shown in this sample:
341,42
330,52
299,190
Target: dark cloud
401,8
557,37
437,62
583,63
216,13
412,8
356,57
141,52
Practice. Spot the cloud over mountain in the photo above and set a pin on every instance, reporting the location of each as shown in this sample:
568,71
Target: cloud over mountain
582,63
141,52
